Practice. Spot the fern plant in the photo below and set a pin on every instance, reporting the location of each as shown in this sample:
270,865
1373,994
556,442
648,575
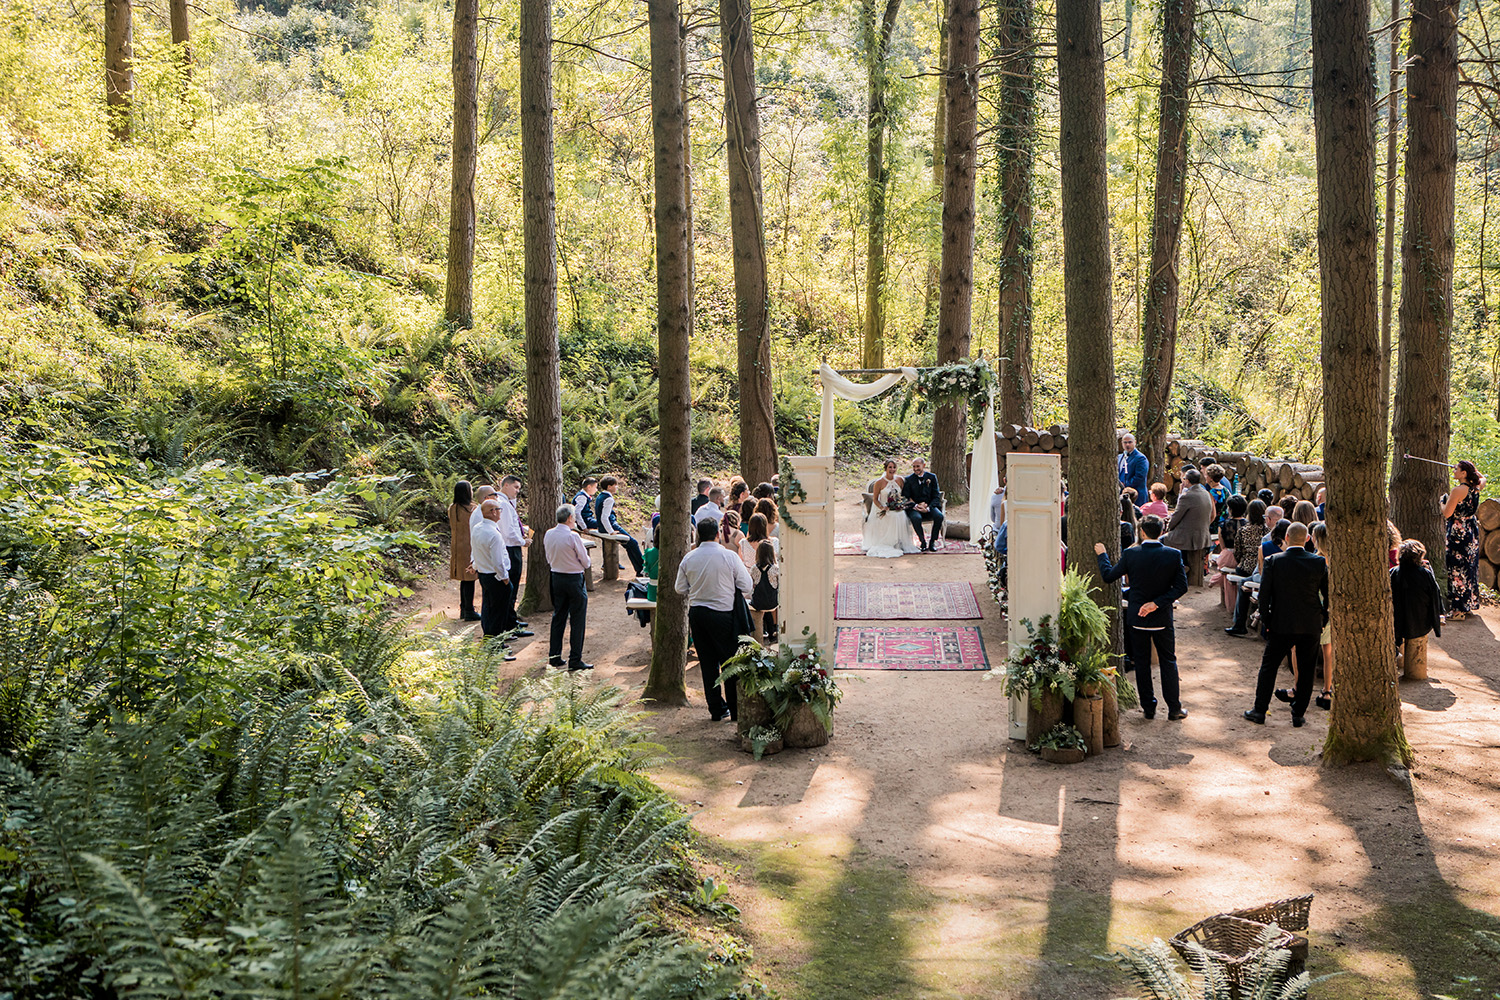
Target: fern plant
1263,976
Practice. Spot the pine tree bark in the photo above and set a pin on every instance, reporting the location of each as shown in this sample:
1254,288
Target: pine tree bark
1159,350
119,71
1387,264
1423,417
1015,149
877,176
458,298
955,308
543,380
666,681
182,36
1093,501
939,140
1366,719
748,232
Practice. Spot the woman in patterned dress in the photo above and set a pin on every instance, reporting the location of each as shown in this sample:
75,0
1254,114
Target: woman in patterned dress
1462,559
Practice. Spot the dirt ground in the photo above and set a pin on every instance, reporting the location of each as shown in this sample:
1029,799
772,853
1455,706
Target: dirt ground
923,854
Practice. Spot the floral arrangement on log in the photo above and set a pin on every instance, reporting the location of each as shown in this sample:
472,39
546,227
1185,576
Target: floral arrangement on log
1041,666
1062,736
1083,632
786,679
970,382
791,491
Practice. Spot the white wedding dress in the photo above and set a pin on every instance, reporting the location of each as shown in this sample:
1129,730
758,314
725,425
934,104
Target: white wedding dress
887,532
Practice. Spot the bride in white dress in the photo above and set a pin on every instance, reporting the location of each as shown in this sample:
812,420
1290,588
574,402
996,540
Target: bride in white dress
887,532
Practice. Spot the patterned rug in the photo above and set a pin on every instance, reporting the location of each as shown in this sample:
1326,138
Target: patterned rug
910,647
927,601
849,544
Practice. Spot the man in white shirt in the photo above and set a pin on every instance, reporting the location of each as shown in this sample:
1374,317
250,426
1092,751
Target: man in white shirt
487,550
514,535
481,494
713,507
708,577
568,561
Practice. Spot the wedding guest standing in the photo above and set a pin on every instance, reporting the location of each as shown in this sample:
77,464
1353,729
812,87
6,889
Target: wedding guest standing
568,562
1188,530
1294,608
765,598
1157,579
513,533
459,566
708,577
1462,558
1135,469
487,549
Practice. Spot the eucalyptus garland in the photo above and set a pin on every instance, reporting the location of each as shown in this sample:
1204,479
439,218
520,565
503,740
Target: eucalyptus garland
791,491
970,382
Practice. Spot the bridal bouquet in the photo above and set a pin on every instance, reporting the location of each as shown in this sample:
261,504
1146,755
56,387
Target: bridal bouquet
890,499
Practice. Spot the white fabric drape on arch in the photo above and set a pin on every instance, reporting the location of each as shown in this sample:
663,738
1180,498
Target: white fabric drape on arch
984,473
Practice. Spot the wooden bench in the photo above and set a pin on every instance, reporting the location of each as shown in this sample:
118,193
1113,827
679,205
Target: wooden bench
609,550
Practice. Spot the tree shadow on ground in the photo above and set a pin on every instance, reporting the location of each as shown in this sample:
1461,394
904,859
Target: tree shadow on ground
1441,937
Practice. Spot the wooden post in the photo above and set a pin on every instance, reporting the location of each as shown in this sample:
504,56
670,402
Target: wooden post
1414,659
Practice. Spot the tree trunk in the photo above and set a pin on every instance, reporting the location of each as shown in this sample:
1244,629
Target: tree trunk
1366,719
1393,127
939,140
1423,408
182,36
1093,502
674,265
1159,350
1015,146
458,300
543,384
955,309
748,231
119,71
877,46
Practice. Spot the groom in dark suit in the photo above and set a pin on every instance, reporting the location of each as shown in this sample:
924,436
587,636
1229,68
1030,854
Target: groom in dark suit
925,502
1157,578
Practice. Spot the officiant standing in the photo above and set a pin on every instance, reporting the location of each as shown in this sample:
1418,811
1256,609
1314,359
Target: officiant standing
926,503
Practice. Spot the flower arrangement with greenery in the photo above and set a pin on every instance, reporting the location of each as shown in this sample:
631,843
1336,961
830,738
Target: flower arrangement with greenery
969,382
786,679
1041,665
992,569
761,737
1061,737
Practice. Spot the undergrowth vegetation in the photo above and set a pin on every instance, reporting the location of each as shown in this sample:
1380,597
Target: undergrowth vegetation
226,770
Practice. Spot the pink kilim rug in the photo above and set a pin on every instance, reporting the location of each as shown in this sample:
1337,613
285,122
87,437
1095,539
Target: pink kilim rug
848,544
910,647
930,601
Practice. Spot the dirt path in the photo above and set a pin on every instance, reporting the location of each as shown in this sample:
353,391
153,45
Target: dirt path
922,854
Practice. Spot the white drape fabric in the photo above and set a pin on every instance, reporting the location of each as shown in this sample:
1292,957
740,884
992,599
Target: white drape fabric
835,384
984,473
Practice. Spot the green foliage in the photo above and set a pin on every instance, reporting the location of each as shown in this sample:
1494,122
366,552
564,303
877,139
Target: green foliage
1263,976
786,679
1061,737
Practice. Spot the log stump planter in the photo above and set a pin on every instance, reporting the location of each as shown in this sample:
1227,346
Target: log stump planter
1111,715
1042,717
1088,719
806,730
1062,756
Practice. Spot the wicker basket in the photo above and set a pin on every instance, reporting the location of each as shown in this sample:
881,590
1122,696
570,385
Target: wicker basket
1288,914
1231,941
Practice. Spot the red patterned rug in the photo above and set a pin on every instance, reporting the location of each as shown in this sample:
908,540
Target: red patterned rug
909,647
911,601
850,544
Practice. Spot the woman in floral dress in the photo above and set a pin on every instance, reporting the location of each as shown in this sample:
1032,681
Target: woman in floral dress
1463,541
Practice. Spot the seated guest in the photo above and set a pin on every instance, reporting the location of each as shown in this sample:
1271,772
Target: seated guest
1246,557
604,511
1274,514
730,535
1128,523
764,491
1415,593
712,508
1158,503
921,488
704,485
760,531
1322,503
1265,496
1394,533
583,503
1229,531
1218,488
767,508
738,491
997,507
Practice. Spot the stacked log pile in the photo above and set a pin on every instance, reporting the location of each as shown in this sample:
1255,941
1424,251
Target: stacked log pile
1489,544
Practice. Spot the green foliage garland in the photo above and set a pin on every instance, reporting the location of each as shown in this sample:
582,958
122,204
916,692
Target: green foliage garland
791,491
969,382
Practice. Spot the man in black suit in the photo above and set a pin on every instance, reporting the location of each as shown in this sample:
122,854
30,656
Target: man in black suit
1294,609
925,502
1157,578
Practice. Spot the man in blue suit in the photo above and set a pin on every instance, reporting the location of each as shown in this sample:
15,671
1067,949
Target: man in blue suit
1157,578
1135,469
